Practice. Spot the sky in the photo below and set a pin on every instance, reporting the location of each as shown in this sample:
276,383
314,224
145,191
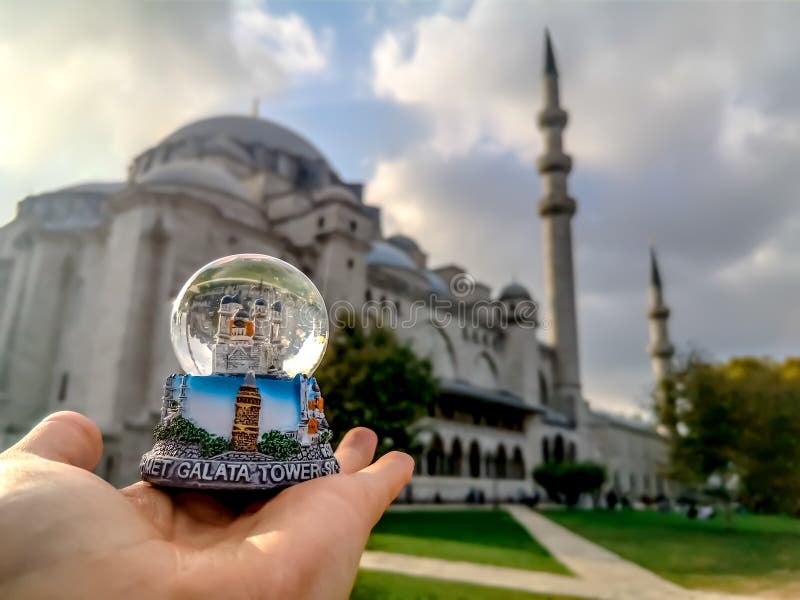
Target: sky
684,131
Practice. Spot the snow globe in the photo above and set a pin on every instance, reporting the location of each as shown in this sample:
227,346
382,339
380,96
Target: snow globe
246,413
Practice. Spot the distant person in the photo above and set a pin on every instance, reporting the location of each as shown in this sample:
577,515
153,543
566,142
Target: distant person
663,503
66,533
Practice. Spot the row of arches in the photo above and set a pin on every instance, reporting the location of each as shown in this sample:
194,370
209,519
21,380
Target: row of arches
463,461
557,450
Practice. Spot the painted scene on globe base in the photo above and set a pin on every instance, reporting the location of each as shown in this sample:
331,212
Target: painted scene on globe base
547,249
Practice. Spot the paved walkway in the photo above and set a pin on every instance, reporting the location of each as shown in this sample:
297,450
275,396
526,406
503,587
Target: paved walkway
598,573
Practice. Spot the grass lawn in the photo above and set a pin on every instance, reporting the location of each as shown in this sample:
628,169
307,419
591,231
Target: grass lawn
755,554
389,586
482,536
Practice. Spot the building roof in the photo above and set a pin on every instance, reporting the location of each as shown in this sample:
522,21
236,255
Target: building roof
248,130
461,388
193,174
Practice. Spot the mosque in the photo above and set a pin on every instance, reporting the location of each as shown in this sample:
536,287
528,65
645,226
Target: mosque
97,265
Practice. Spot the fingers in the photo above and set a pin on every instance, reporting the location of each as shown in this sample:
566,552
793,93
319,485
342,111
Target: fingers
356,449
66,437
381,482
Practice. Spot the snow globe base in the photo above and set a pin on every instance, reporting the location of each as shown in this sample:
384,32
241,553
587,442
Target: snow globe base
223,432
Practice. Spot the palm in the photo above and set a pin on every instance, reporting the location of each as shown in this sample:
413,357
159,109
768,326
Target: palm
94,540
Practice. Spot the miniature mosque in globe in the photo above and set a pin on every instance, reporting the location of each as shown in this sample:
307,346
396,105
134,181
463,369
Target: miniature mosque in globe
509,397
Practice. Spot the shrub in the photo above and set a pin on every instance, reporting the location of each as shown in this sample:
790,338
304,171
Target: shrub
213,445
566,482
278,445
183,430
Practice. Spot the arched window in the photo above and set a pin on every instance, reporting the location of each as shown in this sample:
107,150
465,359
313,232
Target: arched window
545,450
544,395
435,456
500,462
474,460
633,483
517,465
488,470
571,452
368,296
456,459
558,449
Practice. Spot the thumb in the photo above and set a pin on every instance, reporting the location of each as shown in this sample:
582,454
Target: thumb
66,437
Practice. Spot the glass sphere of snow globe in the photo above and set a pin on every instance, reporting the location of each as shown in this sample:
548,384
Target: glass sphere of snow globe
249,313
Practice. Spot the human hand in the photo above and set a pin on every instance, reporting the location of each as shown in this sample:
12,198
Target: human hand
66,533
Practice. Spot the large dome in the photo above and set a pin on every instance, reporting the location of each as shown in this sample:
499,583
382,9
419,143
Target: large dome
248,130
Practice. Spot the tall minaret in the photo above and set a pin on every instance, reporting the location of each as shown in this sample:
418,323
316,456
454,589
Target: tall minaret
556,209
660,348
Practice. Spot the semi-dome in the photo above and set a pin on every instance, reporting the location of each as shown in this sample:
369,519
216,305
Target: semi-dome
386,254
389,255
248,130
197,175
403,242
437,284
515,291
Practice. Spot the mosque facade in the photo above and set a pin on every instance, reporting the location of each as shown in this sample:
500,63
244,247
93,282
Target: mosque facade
97,267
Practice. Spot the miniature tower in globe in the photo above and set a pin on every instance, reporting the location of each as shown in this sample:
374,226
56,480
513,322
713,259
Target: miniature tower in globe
244,437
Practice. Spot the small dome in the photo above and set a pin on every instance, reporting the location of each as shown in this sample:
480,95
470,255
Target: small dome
227,299
260,302
403,242
515,291
389,255
277,307
241,314
198,175
99,188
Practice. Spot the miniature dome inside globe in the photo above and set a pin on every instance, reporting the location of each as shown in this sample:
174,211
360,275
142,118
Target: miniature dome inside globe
249,312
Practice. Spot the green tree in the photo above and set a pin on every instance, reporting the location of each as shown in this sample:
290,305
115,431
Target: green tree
370,379
183,430
735,429
567,482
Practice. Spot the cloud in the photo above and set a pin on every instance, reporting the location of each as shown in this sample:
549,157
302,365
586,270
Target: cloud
92,84
684,127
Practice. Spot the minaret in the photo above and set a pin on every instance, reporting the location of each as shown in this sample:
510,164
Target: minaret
556,209
660,349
